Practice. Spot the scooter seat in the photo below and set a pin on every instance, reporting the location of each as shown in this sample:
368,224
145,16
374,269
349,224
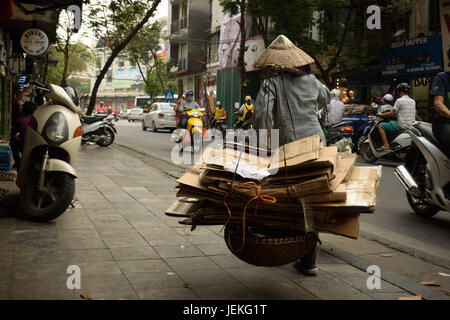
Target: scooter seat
427,132
394,135
92,119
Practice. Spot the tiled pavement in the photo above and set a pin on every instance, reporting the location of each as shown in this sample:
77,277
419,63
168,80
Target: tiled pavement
127,248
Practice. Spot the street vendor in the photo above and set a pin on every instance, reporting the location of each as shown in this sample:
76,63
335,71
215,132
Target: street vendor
288,101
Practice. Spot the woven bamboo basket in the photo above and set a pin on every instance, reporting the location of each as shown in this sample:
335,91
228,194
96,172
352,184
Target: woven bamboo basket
268,248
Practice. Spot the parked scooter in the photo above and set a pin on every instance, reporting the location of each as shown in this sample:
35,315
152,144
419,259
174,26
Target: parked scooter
99,129
46,177
337,132
399,144
193,134
426,173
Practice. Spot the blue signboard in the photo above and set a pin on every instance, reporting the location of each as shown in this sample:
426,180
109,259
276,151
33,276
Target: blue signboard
169,95
412,57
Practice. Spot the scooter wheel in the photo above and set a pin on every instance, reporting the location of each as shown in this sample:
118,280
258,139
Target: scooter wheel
109,138
367,153
422,208
48,205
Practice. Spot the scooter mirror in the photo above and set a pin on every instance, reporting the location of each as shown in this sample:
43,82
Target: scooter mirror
73,95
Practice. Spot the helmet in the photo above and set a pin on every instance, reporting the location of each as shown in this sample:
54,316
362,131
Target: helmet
218,103
388,98
189,93
403,87
336,93
248,98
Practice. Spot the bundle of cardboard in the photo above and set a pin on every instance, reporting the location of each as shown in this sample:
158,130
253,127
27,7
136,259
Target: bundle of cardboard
300,186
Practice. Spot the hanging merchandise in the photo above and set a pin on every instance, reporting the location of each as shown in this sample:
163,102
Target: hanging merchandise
2,55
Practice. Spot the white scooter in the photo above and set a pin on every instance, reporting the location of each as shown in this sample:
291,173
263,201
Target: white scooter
46,177
399,143
99,129
426,173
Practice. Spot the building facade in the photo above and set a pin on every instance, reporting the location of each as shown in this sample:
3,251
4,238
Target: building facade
190,25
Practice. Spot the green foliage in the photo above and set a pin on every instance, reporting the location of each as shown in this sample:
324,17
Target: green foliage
80,58
345,43
113,20
160,73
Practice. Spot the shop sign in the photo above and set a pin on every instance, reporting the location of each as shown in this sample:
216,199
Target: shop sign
421,55
445,32
34,42
422,82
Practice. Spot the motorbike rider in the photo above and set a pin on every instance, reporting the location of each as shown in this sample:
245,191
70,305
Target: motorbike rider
387,103
335,108
186,105
246,111
405,112
290,96
441,121
18,131
219,112
176,108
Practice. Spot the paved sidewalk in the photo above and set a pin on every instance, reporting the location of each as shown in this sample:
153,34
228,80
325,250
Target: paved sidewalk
127,248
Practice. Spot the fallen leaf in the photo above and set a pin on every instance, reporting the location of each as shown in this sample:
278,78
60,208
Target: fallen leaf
170,273
187,285
445,292
386,255
430,283
443,274
85,296
411,298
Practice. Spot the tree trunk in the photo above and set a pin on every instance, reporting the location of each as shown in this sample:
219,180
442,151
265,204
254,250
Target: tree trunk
140,70
66,65
155,60
241,61
116,52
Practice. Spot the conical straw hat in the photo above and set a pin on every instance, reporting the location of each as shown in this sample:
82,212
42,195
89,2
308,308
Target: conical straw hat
283,53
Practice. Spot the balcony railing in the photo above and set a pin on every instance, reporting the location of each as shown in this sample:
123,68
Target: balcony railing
178,25
178,65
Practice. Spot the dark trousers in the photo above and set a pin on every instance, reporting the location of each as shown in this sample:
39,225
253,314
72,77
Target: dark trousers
16,149
183,122
442,133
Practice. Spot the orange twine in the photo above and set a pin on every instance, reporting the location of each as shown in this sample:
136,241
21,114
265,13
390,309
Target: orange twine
258,196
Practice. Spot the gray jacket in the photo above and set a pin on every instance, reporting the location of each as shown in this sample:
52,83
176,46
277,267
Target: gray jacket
305,94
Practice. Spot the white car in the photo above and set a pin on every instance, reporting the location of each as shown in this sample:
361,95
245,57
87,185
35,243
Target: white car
136,114
160,116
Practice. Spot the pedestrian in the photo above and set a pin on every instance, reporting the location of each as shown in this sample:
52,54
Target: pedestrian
176,108
441,122
335,108
405,112
288,101
18,131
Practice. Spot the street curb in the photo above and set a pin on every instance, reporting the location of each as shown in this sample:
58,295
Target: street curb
387,275
433,259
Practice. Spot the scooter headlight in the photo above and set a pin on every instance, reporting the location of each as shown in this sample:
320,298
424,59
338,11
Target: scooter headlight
56,129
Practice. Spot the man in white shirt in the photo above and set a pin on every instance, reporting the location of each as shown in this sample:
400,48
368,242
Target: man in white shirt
404,110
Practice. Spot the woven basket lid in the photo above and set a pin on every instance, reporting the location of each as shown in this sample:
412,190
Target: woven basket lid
283,53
